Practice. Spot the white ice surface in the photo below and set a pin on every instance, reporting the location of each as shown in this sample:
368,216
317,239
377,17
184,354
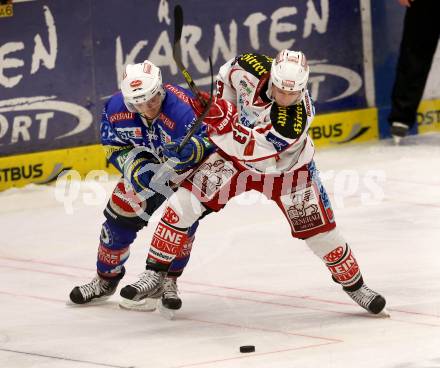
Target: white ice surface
248,282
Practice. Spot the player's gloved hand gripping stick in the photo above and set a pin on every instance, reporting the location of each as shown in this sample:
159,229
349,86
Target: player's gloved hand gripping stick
165,174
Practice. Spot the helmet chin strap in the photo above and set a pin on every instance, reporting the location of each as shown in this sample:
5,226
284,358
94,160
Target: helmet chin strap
269,89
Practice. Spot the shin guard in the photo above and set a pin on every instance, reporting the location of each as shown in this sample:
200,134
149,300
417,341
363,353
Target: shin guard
114,248
332,248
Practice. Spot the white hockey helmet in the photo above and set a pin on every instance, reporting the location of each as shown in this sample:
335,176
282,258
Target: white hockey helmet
140,83
290,71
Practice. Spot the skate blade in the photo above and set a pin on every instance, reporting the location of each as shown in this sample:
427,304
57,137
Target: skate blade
384,314
96,301
397,140
166,313
144,305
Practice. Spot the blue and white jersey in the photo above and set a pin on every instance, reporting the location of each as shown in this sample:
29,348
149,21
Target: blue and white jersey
122,130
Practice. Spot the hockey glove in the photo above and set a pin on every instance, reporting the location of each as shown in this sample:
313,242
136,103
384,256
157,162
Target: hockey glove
140,173
222,114
190,155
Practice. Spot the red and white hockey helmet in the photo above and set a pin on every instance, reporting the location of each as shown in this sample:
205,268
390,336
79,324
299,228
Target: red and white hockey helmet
290,71
141,82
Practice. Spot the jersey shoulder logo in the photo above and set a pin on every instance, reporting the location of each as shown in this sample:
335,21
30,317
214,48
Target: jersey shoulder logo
256,64
178,93
168,122
121,116
289,121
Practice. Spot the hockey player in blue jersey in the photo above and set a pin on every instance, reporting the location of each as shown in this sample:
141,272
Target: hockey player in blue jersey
137,127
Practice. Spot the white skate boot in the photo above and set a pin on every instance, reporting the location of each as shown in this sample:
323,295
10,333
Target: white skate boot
97,290
170,299
170,296
370,300
144,294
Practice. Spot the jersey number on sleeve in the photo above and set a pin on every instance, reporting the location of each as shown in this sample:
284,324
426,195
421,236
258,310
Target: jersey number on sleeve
220,86
240,134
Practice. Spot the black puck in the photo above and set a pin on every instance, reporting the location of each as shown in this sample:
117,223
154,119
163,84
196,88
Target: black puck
247,349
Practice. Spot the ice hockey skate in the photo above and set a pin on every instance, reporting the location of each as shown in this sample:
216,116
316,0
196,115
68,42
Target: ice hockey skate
398,131
96,291
143,294
170,296
170,301
369,300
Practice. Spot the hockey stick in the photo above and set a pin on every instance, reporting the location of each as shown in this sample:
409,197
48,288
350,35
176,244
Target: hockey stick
164,174
199,120
177,53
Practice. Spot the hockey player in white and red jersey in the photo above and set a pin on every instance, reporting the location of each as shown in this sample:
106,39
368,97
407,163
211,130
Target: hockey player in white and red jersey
265,148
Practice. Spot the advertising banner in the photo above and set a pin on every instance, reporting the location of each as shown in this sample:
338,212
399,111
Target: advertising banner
60,60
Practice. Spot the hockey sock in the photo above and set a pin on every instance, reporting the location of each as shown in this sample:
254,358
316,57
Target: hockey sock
114,248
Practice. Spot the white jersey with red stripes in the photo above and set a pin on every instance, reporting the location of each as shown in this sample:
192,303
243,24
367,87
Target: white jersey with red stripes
268,138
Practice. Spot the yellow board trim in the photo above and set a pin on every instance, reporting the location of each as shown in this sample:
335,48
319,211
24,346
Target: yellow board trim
428,116
347,127
333,129
44,167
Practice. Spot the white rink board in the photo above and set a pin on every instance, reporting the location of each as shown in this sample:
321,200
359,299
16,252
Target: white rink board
432,88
